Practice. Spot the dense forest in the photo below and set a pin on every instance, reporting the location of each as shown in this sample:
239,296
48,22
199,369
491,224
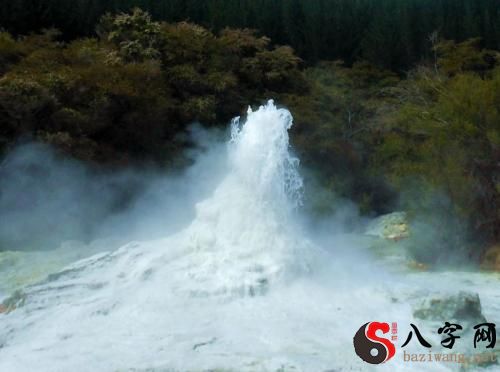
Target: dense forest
391,34
124,87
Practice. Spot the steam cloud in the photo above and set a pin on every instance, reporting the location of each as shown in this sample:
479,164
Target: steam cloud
47,198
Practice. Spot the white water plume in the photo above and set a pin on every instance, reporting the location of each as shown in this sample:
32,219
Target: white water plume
241,242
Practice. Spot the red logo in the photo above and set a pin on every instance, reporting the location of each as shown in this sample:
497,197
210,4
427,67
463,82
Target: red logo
371,348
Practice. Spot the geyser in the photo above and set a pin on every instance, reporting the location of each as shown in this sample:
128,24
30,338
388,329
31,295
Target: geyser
242,241
240,288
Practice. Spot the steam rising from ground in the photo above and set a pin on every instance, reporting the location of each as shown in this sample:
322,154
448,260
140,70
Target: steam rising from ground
46,198
239,286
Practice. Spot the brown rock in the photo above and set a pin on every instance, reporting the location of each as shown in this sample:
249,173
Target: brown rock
491,259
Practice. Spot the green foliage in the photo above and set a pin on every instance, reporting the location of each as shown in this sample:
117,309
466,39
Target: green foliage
128,94
10,52
135,35
336,130
444,135
23,104
432,139
456,58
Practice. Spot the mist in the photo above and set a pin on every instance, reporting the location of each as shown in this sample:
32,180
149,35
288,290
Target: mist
47,198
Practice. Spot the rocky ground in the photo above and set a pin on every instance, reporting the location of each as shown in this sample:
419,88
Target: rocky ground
432,297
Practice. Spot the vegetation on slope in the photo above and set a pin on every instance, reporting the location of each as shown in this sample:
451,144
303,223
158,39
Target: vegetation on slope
129,94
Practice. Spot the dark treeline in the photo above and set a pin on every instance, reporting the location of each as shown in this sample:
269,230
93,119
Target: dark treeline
392,34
